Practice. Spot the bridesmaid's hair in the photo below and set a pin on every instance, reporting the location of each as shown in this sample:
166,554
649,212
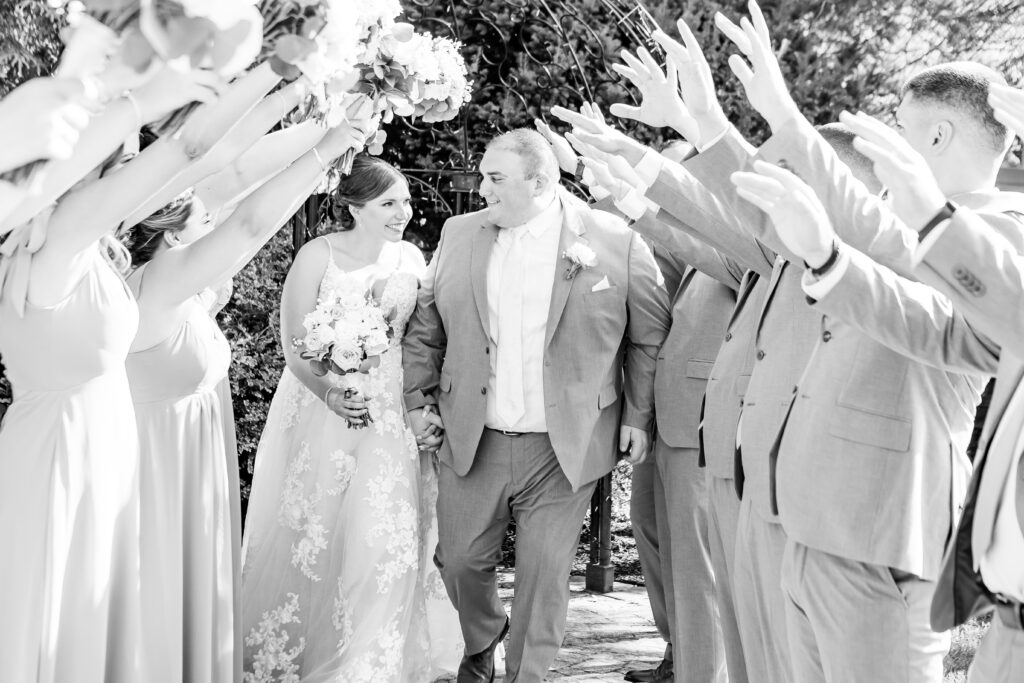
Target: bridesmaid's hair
143,238
370,178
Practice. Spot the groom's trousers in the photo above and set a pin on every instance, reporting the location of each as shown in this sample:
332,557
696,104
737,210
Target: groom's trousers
512,477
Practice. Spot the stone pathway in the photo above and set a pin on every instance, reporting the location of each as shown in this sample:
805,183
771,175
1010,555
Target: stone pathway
606,634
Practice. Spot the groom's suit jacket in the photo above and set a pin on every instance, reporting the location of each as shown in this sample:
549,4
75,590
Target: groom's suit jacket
871,464
601,343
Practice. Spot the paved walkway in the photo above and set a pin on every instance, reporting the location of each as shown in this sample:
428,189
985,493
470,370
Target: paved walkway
606,635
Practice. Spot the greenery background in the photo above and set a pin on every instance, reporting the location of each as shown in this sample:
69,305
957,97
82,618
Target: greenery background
836,54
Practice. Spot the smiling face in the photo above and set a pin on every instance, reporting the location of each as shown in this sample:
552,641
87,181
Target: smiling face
388,213
512,198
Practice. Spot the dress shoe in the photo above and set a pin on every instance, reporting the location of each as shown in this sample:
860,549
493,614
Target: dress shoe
661,674
479,668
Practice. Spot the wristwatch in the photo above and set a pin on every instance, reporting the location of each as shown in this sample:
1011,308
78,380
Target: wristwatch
944,215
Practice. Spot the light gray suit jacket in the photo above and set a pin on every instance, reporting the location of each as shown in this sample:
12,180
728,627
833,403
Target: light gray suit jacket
599,344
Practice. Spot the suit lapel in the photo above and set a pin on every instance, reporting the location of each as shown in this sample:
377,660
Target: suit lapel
480,256
777,270
746,287
572,231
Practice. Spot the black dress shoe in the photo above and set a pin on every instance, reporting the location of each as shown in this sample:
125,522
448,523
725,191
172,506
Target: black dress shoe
479,668
661,674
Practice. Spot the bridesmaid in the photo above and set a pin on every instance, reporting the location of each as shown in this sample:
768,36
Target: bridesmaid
177,368
69,581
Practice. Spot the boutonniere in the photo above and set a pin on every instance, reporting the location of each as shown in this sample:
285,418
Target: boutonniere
579,256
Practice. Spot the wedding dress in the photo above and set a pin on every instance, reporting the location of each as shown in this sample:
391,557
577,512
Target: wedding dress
338,582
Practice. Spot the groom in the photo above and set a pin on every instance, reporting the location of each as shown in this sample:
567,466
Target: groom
536,334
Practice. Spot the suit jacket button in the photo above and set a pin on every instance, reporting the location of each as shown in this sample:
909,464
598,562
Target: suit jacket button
826,335
487,350
760,354
728,336
483,390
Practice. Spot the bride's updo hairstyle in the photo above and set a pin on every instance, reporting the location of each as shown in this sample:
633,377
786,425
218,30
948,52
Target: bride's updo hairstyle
370,178
143,238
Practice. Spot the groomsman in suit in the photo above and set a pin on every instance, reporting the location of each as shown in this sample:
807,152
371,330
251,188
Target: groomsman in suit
864,496
536,334
981,268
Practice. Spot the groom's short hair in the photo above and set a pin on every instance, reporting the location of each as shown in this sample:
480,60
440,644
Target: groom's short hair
963,88
532,148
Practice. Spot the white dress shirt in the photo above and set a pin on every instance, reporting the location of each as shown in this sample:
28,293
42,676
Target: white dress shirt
540,238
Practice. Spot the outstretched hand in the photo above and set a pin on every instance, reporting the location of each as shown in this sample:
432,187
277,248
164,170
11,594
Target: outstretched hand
42,119
916,195
762,79
634,443
660,103
567,158
696,86
799,217
1008,104
601,136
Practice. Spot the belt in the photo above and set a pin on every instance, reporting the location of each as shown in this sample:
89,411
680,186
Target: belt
1011,612
506,432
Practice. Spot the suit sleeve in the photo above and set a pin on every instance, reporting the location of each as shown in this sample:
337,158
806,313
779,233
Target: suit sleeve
667,234
859,217
647,326
982,272
679,194
425,340
909,317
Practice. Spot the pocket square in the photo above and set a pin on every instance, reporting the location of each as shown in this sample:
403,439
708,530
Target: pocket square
603,284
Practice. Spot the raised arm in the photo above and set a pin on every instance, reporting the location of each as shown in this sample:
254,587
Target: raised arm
179,273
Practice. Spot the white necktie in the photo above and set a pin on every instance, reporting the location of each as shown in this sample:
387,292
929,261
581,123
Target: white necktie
510,404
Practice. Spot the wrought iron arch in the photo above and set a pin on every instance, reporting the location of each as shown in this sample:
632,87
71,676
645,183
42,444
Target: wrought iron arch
523,56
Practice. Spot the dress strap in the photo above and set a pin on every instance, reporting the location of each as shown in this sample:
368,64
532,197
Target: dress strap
16,251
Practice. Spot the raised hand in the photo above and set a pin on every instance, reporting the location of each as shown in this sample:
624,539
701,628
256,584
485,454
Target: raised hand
762,80
660,103
567,158
171,89
800,220
695,84
601,136
916,196
41,119
1008,104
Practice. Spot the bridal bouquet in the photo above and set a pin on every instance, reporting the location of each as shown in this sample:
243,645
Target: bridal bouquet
344,334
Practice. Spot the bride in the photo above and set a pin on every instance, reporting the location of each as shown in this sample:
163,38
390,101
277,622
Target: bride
337,578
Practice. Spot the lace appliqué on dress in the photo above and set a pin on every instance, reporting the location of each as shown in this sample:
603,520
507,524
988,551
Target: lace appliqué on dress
272,640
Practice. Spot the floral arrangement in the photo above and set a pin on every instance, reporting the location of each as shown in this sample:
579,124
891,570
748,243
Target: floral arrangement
344,334
221,35
344,48
579,256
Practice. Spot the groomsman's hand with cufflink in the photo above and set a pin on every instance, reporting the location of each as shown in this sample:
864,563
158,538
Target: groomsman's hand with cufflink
797,214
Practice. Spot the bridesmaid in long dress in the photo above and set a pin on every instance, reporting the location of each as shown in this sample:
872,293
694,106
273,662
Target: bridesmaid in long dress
69,582
191,536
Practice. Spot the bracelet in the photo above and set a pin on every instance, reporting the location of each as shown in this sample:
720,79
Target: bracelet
827,265
327,395
319,160
944,214
284,105
135,107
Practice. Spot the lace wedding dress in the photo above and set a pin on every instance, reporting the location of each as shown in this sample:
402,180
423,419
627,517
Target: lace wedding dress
338,582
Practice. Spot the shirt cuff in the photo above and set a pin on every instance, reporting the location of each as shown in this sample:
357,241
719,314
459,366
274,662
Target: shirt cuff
649,168
634,205
713,141
818,288
925,245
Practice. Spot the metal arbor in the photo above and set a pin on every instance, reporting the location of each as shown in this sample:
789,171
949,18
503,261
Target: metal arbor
523,56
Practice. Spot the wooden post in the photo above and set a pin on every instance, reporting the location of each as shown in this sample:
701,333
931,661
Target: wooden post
600,572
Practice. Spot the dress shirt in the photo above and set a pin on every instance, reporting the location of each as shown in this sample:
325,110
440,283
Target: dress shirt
540,258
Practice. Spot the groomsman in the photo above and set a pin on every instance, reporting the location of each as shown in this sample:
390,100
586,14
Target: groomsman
865,500
536,334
